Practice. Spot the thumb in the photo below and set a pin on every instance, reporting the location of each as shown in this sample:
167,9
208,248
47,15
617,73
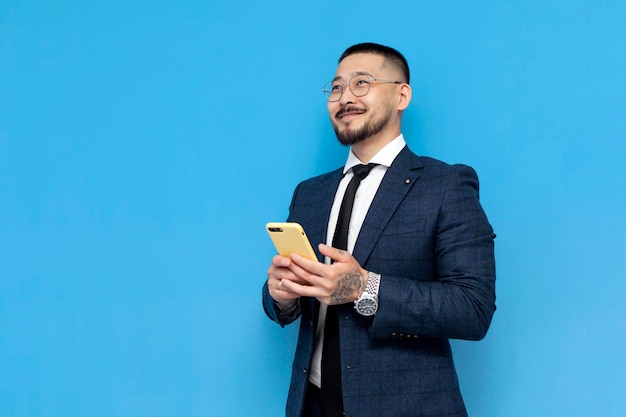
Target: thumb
337,255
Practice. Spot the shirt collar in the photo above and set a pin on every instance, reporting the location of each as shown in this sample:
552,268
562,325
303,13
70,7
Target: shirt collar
385,156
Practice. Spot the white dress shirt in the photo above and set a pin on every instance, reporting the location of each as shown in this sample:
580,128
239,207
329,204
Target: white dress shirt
362,201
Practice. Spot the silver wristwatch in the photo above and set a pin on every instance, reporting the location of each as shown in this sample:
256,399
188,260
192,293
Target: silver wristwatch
367,303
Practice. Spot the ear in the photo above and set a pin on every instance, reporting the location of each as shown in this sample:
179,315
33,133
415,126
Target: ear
405,96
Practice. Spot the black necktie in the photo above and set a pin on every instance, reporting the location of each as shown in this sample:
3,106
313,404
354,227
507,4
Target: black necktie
331,401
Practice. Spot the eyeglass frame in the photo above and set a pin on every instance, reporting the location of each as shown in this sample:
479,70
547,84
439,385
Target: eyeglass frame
369,79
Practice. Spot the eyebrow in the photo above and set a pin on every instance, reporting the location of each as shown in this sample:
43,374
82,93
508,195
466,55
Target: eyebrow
339,77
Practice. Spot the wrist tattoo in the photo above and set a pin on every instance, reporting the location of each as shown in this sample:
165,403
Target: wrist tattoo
349,284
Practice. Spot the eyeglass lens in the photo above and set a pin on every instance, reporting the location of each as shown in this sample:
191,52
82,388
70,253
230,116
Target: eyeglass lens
359,85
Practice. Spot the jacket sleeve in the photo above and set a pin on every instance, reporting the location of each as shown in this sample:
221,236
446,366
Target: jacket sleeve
273,311
453,295
271,308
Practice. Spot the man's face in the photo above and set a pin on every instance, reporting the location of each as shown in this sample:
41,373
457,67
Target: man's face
356,119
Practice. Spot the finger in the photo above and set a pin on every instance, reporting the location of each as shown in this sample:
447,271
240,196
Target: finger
283,285
281,268
308,272
312,268
275,274
337,255
301,290
281,261
284,268
278,290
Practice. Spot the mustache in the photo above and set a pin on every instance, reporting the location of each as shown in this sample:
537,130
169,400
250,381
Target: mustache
349,109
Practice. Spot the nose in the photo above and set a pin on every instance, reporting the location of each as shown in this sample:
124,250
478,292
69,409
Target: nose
347,97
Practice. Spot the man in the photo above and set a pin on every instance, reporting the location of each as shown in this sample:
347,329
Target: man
418,264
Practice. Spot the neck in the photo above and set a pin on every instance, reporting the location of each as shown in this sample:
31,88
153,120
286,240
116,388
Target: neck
366,149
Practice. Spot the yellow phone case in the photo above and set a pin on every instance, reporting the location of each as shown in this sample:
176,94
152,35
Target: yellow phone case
290,238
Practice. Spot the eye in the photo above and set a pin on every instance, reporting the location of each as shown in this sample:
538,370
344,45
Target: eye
360,83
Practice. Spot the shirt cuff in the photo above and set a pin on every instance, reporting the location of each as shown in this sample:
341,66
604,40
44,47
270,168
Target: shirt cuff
288,309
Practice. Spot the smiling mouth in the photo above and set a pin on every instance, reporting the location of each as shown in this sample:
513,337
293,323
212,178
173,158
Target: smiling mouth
348,112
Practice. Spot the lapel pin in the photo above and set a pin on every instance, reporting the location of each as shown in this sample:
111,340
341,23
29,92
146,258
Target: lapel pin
407,181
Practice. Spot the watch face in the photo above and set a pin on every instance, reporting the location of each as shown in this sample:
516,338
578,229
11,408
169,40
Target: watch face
367,306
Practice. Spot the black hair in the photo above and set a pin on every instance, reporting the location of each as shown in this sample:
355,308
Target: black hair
390,54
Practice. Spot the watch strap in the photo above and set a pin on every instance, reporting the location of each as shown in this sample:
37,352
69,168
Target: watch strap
373,283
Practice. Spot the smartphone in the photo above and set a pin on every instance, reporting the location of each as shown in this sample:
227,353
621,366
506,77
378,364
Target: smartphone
290,238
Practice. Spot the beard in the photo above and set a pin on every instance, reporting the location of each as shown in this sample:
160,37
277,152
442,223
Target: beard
371,128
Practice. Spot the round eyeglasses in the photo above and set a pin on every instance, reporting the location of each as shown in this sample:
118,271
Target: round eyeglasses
359,86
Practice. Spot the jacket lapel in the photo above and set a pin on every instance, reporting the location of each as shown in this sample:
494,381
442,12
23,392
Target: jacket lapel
396,183
316,230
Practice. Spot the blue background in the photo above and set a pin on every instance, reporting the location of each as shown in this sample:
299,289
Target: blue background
144,145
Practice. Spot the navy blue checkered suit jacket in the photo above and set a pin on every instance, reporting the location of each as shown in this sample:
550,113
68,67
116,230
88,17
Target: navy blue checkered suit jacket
427,235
